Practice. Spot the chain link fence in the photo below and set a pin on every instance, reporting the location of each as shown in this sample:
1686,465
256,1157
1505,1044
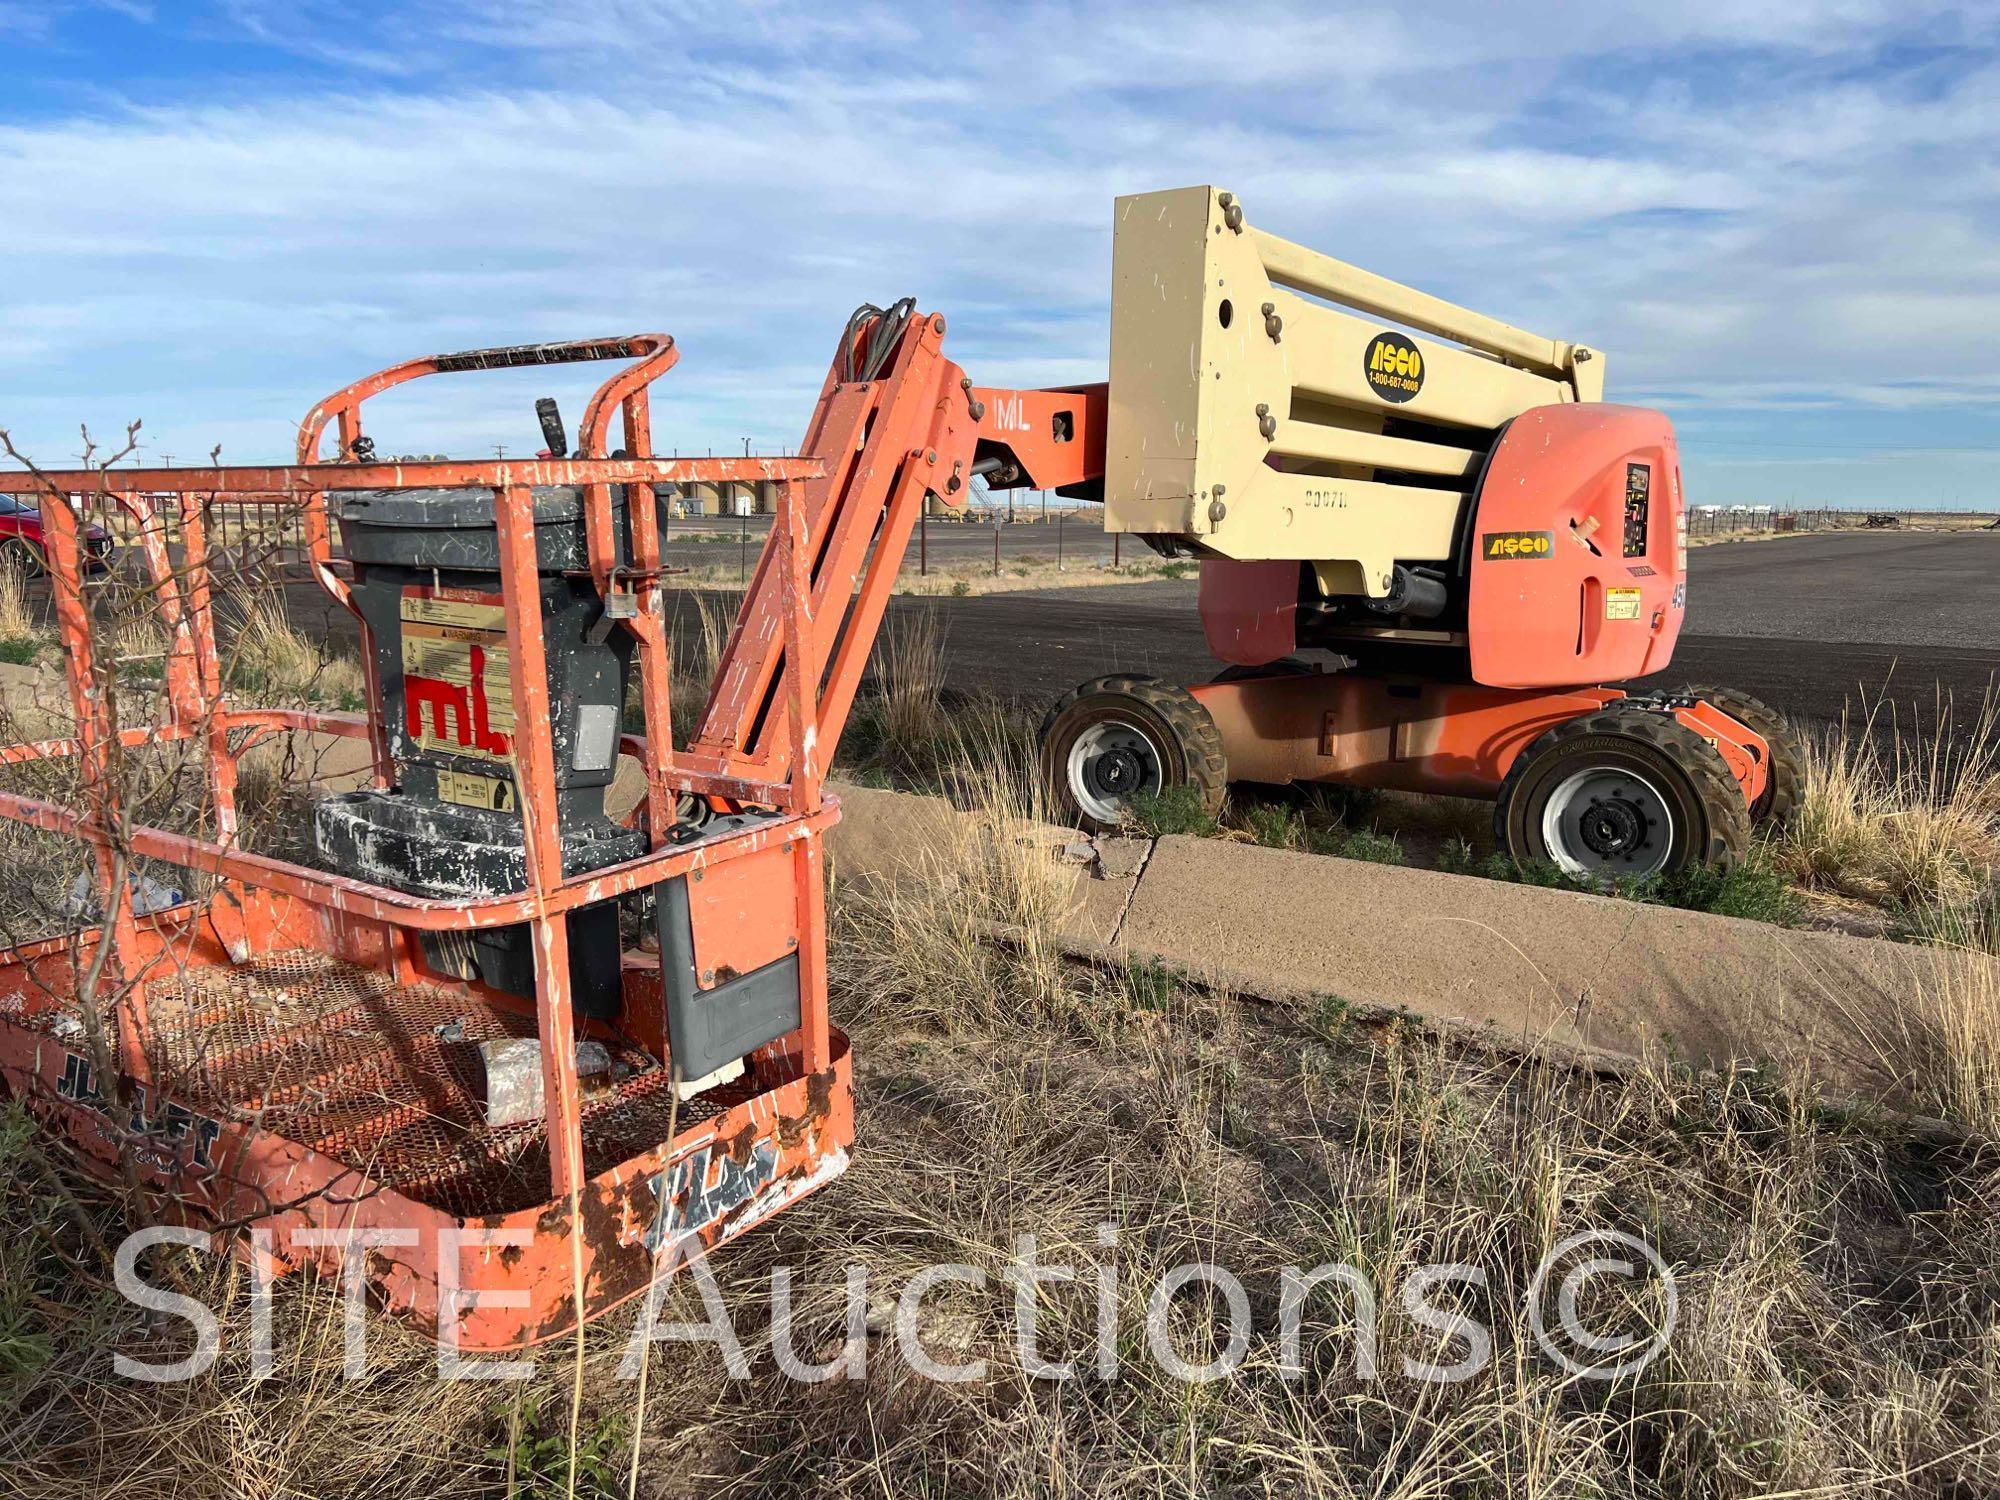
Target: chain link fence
982,542
1754,520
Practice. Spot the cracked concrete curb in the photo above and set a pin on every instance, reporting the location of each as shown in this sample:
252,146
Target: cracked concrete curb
1528,966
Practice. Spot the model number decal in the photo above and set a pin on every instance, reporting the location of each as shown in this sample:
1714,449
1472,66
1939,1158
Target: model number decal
1502,546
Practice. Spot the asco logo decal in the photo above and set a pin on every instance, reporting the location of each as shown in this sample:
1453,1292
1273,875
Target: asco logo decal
1393,367
1500,546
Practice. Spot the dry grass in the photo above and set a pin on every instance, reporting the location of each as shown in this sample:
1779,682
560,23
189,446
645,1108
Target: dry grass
909,663
78,1429
965,580
1957,1019
1946,1039
1914,825
998,1104
925,948
1839,1282
1839,1324
18,622
699,643
907,729
270,657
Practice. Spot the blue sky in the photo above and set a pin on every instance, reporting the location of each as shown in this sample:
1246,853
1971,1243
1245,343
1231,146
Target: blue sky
1780,218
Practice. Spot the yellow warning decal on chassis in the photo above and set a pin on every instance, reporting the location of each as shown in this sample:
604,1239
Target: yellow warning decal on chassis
457,695
1621,604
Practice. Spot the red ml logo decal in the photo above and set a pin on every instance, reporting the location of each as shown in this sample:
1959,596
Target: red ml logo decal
449,702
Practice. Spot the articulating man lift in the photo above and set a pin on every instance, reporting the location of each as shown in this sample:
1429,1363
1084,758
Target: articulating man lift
316,1046
1453,513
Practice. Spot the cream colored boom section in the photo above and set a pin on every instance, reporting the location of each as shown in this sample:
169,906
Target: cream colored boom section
1306,270
1250,420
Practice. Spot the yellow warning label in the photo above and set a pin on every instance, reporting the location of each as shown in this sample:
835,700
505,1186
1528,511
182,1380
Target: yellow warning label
470,789
1621,604
457,695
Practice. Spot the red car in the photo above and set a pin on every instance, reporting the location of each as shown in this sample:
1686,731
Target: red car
22,545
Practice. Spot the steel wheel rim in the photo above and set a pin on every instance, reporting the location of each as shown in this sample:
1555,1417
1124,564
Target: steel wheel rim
1605,821
1110,761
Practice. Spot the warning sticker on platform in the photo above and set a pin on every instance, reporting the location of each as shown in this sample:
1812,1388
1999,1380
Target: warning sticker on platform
456,692
470,789
1621,604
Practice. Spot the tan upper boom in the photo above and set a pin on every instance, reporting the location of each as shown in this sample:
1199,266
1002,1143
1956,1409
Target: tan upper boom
1250,421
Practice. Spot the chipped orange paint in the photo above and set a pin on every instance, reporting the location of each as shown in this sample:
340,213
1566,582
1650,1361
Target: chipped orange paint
383,1130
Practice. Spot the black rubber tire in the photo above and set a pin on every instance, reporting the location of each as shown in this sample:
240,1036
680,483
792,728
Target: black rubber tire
1711,823
1190,746
1785,785
19,552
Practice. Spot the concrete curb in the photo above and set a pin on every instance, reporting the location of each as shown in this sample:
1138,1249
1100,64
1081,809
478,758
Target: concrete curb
1527,965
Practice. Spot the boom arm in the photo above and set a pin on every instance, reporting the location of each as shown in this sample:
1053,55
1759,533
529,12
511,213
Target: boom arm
896,422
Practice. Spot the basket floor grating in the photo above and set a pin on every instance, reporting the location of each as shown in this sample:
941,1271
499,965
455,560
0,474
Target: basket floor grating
386,1078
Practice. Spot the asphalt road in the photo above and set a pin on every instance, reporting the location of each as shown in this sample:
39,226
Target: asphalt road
1816,625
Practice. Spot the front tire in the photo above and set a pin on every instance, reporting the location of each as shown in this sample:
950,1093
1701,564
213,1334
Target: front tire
1621,793
1120,736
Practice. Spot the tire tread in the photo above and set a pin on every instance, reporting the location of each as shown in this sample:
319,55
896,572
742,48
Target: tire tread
1727,818
1786,786
1196,738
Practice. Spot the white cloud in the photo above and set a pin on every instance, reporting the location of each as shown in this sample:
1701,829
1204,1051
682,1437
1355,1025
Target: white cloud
1745,206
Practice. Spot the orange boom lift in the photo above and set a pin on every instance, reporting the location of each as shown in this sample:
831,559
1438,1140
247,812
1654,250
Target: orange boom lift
523,1045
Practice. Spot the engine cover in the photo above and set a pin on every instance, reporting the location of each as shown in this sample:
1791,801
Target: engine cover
1579,549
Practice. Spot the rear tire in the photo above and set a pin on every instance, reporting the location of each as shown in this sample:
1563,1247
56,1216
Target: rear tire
1623,792
1785,780
1116,736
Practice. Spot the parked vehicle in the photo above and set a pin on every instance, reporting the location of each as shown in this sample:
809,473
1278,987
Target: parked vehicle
23,546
